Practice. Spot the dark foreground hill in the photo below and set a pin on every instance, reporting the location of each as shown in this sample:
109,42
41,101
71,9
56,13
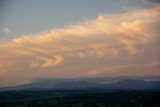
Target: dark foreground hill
80,98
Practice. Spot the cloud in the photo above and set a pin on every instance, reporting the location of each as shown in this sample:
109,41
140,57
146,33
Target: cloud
47,62
7,30
118,44
156,2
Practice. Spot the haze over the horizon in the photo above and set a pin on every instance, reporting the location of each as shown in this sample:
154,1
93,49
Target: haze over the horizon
51,38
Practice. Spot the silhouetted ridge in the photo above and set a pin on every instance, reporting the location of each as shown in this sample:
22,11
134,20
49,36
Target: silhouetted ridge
126,84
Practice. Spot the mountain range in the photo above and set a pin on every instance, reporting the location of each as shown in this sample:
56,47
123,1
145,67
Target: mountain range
69,84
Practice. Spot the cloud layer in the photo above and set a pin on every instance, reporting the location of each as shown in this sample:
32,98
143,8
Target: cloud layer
119,44
153,1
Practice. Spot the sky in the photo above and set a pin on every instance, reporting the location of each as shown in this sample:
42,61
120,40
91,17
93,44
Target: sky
78,38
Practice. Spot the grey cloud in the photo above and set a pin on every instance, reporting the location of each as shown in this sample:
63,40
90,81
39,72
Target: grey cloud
153,1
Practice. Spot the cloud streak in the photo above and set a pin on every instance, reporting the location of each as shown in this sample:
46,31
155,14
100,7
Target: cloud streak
153,1
7,31
119,44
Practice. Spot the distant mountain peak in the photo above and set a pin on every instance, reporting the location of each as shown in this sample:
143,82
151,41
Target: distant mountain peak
125,84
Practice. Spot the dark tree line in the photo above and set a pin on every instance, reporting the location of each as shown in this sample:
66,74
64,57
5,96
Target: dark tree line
80,98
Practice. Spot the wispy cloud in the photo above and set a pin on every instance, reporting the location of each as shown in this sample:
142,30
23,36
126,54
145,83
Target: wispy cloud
118,44
153,1
47,62
7,30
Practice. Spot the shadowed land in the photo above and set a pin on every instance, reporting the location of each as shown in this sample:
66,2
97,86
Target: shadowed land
80,98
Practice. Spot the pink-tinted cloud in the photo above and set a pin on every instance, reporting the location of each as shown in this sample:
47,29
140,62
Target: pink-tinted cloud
119,44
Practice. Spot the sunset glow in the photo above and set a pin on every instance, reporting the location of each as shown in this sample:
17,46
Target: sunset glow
115,44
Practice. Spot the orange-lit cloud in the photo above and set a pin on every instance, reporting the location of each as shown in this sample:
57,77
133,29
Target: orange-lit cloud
119,44
47,62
